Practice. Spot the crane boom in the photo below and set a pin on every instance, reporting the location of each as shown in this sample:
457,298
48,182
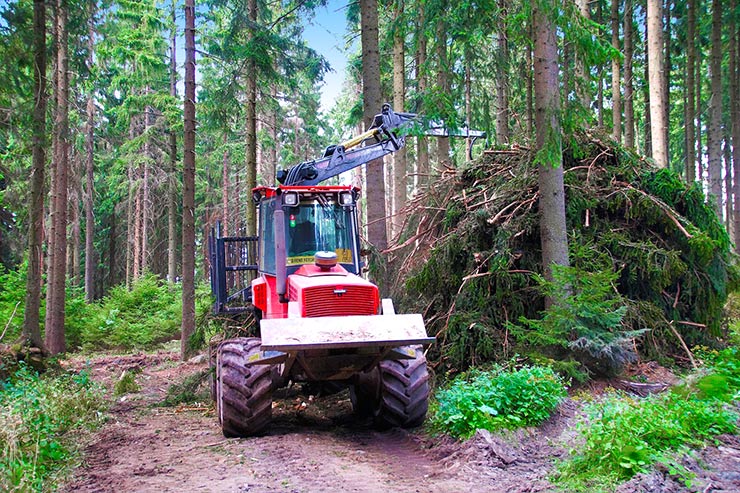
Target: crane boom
382,138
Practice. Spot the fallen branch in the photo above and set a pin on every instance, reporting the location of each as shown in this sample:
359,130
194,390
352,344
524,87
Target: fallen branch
9,321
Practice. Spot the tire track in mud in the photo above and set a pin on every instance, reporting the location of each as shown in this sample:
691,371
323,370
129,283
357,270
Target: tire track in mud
314,445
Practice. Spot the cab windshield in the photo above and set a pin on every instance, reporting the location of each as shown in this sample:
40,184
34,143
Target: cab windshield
313,227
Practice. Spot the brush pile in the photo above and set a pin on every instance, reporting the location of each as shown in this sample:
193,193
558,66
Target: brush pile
470,251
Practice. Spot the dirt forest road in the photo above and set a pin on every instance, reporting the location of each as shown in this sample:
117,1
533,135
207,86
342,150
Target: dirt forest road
314,445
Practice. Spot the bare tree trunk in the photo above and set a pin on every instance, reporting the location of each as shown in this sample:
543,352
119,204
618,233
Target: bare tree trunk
697,107
648,125
503,135
273,157
549,147
735,117
251,123
690,154
31,334
600,86
225,191
422,159
714,133
399,103
530,83
616,91
629,108
89,174
583,82
188,186
443,143
55,342
376,215
171,179
468,101
146,192
658,124
73,213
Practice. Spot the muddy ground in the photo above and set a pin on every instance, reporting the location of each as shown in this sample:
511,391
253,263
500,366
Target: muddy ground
317,445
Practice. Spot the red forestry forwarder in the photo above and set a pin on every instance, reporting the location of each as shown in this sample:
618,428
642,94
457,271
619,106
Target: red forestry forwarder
319,320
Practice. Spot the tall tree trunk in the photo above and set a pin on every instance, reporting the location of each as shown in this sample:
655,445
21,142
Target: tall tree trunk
502,80
146,191
399,103
549,146
443,83
31,324
667,68
251,122
658,124
225,185
616,91
171,179
55,342
690,154
73,213
697,108
375,173
188,186
735,117
714,133
600,85
629,98
273,122
648,124
422,144
583,82
530,82
90,171
468,102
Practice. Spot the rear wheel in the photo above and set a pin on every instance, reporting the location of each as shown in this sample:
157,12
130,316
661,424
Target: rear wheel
244,393
404,392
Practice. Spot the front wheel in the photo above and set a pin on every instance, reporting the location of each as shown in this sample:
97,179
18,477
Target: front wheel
404,391
244,393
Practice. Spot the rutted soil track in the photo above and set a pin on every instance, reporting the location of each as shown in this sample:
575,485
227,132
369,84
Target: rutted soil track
318,445
313,445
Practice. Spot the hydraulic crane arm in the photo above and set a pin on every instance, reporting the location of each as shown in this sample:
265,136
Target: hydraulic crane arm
350,154
383,137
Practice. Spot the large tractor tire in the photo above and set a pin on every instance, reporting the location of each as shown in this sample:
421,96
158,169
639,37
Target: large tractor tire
364,393
404,392
244,393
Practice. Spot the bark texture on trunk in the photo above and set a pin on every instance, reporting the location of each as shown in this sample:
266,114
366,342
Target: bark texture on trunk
422,144
443,83
399,103
616,76
188,188
658,123
690,154
251,130
55,342
375,173
629,92
553,233
90,256
735,118
714,134
31,324
172,175
502,80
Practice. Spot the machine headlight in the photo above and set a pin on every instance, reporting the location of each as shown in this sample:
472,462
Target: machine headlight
346,199
290,199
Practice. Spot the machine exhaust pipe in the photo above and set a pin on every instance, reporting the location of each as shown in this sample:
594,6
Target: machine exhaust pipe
281,259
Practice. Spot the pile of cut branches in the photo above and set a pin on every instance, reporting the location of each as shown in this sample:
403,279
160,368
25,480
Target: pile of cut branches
470,250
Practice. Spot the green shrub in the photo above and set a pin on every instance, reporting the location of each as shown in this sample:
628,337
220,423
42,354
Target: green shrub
624,436
585,320
12,302
497,399
148,313
126,384
40,423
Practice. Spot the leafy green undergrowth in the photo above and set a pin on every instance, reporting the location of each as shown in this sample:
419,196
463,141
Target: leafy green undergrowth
498,398
42,419
193,389
624,435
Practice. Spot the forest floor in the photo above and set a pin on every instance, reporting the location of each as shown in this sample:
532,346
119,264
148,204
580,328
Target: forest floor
316,444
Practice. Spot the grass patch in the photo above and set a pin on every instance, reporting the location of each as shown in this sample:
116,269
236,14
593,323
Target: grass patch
126,384
42,419
623,435
496,399
193,389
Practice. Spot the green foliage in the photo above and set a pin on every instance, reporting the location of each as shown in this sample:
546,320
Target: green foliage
497,399
126,384
585,319
12,297
41,420
191,390
662,254
624,436
147,314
